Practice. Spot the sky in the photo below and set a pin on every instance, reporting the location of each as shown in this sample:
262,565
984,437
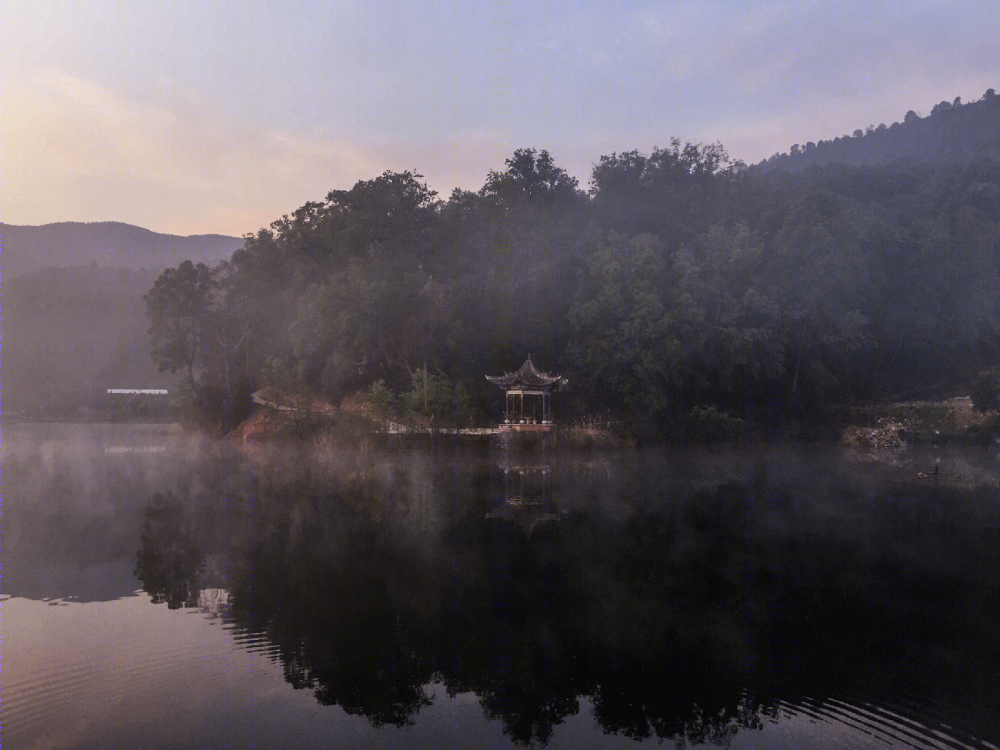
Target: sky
192,117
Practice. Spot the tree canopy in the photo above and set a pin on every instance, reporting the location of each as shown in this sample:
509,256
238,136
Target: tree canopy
680,285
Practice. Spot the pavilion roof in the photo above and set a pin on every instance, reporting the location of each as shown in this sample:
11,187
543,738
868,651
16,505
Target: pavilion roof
527,376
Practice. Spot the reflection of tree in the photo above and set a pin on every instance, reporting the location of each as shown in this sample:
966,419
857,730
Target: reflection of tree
336,597
169,560
686,622
508,619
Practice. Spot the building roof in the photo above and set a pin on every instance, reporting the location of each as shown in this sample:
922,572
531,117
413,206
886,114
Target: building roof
528,376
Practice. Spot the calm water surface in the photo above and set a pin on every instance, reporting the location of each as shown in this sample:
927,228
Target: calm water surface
160,591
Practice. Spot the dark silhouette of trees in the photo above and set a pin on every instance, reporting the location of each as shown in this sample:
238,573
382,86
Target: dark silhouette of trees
689,617
953,133
531,178
680,285
179,309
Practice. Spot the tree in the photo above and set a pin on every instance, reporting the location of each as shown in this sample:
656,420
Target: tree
940,108
531,177
669,193
986,392
729,328
624,349
395,210
228,352
819,281
376,316
179,310
436,399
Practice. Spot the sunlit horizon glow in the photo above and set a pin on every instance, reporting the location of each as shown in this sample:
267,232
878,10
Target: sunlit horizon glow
222,119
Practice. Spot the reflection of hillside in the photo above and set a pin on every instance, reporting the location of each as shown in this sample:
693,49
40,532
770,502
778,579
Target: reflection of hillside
64,535
673,598
688,619
73,509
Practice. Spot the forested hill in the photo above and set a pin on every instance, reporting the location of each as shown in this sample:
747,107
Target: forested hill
679,293
71,332
953,133
107,243
73,310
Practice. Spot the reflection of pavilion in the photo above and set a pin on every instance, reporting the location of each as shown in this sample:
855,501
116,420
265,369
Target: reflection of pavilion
528,397
526,483
526,497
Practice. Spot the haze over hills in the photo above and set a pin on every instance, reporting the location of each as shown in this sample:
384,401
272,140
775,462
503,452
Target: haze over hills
953,133
70,333
75,318
106,243
850,269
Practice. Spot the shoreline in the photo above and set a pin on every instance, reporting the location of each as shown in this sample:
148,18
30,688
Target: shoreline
868,427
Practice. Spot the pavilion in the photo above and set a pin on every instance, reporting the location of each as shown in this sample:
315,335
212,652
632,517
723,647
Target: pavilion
528,397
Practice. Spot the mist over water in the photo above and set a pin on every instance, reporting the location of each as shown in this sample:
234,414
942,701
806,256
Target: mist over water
168,591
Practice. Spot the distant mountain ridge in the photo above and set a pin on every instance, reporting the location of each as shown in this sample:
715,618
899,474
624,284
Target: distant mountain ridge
953,133
107,243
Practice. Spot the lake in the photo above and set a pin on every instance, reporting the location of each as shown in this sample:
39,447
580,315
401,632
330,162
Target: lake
165,591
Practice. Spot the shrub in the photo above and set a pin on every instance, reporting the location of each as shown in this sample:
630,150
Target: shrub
711,424
381,399
435,398
986,392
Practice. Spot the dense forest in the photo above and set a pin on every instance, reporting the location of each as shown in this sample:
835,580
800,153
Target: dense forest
953,133
680,291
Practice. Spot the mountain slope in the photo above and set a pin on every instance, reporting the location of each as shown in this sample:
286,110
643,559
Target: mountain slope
107,243
74,316
954,133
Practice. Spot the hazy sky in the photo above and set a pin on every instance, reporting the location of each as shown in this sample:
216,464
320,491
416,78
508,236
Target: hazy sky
191,117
